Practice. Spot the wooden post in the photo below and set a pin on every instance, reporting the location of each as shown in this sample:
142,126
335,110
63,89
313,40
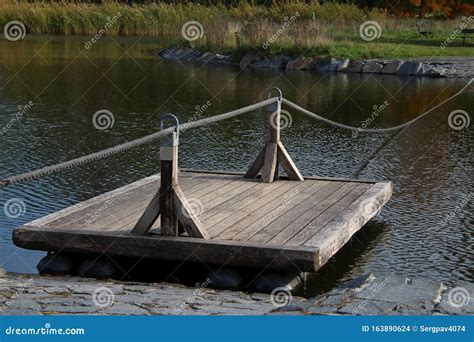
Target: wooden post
170,202
273,153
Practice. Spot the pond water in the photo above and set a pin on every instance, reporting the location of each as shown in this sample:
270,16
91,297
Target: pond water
425,230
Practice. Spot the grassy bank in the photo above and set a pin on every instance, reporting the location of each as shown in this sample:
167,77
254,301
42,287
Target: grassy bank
291,28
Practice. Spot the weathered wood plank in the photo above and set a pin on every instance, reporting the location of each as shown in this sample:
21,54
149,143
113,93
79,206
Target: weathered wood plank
241,213
326,216
336,233
169,248
259,215
329,196
322,190
288,203
287,163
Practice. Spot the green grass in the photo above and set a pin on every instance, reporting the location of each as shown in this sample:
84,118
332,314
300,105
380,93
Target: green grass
328,30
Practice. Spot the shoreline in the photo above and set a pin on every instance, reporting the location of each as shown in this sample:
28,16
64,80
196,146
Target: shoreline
445,67
367,295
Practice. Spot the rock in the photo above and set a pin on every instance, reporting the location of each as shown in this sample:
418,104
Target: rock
437,71
225,278
301,63
56,263
221,59
391,67
246,60
329,64
206,57
409,68
193,56
168,53
182,53
99,269
278,62
342,65
354,66
372,67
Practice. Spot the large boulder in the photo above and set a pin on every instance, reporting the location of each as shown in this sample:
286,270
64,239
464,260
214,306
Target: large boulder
328,64
342,65
391,67
246,60
206,57
225,278
355,66
372,67
183,53
97,268
409,68
300,63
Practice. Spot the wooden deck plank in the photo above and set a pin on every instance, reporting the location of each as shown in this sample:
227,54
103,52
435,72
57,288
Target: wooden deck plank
327,215
336,191
213,222
287,204
270,203
325,188
254,205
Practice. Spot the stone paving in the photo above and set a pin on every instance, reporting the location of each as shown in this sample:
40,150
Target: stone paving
367,295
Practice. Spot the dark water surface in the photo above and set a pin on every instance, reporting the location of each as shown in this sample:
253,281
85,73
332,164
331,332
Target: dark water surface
425,230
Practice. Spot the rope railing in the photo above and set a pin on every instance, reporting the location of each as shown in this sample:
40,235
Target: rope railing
52,169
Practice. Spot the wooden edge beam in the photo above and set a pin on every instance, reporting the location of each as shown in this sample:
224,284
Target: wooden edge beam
232,253
191,223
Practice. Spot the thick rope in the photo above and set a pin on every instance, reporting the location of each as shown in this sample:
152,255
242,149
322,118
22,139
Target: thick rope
48,170
372,130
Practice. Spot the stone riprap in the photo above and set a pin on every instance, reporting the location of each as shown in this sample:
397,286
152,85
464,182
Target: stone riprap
390,295
429,67
367,295
50,295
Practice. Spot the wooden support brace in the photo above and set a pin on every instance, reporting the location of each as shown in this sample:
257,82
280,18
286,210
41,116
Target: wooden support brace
274,153
170,202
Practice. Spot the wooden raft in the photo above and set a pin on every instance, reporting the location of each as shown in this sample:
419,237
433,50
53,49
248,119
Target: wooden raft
283,225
